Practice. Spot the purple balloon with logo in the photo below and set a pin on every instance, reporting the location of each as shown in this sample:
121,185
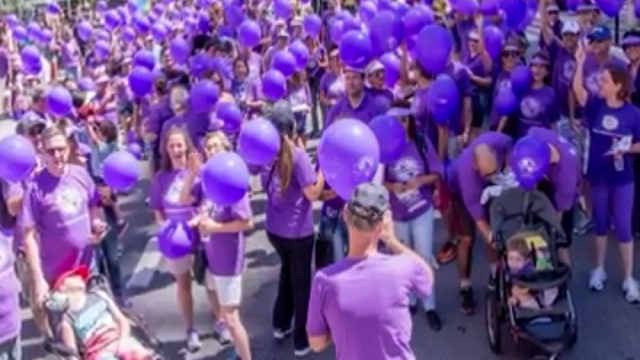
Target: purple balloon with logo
175,239
529,161
258,142
348,155
225,178
355,49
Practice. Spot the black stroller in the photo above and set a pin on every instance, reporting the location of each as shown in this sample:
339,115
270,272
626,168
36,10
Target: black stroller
552,328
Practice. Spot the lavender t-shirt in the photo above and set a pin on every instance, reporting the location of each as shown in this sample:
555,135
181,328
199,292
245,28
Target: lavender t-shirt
58,209
225,251
289,213
363,303
165,195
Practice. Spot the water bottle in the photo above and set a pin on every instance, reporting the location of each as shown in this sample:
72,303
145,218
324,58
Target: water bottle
618,162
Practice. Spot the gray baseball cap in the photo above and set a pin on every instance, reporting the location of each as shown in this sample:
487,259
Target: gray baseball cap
282,117
369,201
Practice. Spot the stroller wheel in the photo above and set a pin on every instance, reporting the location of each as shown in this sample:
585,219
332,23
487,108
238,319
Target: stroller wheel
493,322
573,336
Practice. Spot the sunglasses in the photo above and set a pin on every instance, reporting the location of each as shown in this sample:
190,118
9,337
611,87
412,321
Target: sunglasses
553,12
510,54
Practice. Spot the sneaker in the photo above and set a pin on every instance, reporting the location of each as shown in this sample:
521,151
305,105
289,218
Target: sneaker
447,253
222,333
434,321
467,303
631,291
193,341
597,279
302,352
280,334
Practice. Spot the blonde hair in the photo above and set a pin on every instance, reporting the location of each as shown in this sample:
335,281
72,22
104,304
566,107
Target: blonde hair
220,136
178,98
521,242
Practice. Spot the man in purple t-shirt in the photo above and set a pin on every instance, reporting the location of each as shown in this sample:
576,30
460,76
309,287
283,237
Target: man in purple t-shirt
340,307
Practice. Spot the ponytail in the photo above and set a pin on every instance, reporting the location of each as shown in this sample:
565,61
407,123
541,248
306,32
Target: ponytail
284,163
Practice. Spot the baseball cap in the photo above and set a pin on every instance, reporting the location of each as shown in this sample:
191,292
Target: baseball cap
369,201
599,33
570,27
374,67
281,116
30,125
631,38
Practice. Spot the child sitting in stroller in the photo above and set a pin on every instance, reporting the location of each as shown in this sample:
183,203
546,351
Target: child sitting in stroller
93,323
527,252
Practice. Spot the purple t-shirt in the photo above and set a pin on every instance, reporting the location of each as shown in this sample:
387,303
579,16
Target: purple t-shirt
10,319
592,71
537,108
411,164
4,63
564,67
332,86
564,174
58,209
165,194
459,74
225,251
158,113
341,304
289,213
465,181
369,107
608,125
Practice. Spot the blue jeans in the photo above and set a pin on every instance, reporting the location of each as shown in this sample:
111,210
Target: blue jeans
10,349
109,252
418,235
332,240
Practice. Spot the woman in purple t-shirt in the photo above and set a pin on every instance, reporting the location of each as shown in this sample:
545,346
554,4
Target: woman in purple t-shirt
221,228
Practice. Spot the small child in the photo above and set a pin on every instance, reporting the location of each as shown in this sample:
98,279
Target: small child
520,249
93,319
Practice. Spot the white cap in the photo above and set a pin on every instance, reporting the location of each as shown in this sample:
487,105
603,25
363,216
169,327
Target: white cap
571,27
373,67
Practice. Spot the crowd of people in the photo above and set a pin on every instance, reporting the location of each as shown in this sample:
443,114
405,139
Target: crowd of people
175,82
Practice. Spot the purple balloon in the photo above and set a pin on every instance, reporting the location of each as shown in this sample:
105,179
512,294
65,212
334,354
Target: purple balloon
18,158
180,50
443,99
300,52
417,18
141,23
515,12
335,31
101,6
284,62
112,19
159,31
135,149
435,57
392,66
312,25
31,59
348,155
367,11
140,81
274,85
355,49
86,84
611,8
84,30
231,116
351,23
53,8
258,142
101,49
529,161
387,5
11,20
521,79
490,7
225,178
234,15
175,239
59,101
33,29
465,7
204,96
249,34
389,131
386,32
506,102
121,170
493,39
20,33
128,34
572,5
144,58
282,9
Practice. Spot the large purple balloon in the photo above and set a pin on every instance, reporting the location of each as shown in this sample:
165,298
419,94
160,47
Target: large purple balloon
312,25
274,85
355,49
389,131
392,67
367,11
443,99
386,32
515,12
490,7
225,178
59,101
140,81
258,142
611,8
144,58
416,18
521,79
31,60
284,62
434,57
84,30
282,9
135,149
465,7
180,50
112,19
529,161
348,155
506,102
120,170
141,23
18,158
175,239
249,34
159,31
335,30
300,52
19,33
493,40
204,96
230,115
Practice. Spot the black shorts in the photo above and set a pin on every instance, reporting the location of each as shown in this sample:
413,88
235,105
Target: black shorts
568,217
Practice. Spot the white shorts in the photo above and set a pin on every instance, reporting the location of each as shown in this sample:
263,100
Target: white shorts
228,288
179,266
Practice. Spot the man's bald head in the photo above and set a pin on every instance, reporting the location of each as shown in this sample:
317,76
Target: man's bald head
484,160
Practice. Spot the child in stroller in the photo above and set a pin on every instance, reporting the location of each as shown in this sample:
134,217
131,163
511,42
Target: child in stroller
89,322
527,252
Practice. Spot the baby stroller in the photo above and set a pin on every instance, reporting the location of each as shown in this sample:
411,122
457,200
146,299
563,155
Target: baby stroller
551,327
55,308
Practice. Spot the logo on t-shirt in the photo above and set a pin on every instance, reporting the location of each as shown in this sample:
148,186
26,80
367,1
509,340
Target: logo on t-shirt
610,123
592,82
69,200
530,107
568,69
173,192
